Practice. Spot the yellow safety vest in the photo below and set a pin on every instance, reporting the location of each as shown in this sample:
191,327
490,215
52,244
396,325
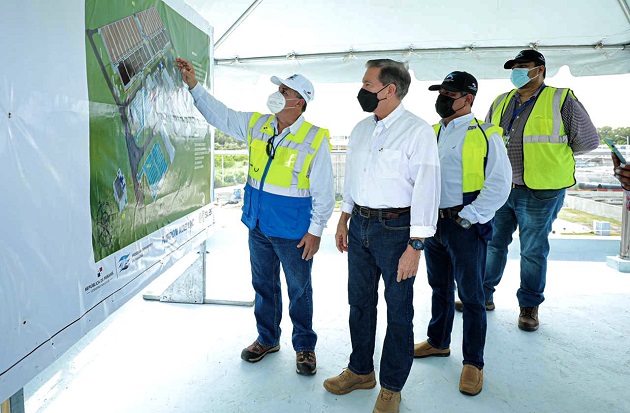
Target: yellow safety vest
277,195
290,168
548,161
474,154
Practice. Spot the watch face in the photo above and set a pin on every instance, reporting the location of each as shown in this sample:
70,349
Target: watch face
465,223
416,244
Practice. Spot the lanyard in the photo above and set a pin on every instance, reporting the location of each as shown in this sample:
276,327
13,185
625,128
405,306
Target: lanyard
521,109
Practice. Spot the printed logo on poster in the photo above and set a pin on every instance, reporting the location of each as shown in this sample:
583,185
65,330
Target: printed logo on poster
206,214
123,263
102,278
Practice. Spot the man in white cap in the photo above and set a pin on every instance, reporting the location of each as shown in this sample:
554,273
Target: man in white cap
289,197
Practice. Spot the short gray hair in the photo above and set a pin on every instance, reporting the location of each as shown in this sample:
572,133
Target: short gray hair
393,72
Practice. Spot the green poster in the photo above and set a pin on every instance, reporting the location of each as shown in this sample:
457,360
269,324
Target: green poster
149,149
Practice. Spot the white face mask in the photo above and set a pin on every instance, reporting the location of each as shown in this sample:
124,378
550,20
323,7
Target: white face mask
276,102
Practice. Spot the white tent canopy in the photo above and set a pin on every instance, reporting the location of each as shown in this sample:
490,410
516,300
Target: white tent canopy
330,40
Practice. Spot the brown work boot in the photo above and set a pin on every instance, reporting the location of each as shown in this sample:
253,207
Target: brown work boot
459,306
424,349
305,363
348,381
471,380
528,319
256,351
387,402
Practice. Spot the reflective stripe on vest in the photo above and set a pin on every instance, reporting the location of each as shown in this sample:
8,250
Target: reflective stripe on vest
474,154
548,161
289,172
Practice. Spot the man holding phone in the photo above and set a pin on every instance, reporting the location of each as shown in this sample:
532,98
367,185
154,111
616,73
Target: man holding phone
544,127
621,170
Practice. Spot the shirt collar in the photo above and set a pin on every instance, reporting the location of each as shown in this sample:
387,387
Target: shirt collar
294,128
391,118
467,118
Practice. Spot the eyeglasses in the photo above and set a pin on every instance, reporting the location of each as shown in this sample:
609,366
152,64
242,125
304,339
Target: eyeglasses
271,151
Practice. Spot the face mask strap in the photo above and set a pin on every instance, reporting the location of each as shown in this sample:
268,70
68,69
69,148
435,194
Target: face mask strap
381,91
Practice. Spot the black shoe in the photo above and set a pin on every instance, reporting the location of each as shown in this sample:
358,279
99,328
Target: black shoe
305,363
256,351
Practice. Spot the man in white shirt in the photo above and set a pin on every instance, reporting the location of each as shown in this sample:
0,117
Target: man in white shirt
289,197
391,198
476,181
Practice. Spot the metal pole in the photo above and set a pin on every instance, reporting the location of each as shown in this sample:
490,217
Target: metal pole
624,251
237,23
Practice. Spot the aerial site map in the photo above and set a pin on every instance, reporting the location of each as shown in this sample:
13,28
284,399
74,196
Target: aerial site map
149,148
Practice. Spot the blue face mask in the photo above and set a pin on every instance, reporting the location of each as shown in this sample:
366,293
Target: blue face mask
520,77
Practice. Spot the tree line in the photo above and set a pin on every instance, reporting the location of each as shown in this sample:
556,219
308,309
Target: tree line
618,135
225,142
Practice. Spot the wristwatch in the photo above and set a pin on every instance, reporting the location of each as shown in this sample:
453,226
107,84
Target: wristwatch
416,244
463,222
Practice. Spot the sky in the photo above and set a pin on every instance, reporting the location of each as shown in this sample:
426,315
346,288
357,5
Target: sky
336,108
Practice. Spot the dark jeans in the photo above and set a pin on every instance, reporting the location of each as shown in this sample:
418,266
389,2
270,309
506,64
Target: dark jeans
457,254
374,248
266,255
533,212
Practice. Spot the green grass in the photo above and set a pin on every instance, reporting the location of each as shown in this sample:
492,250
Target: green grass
586,219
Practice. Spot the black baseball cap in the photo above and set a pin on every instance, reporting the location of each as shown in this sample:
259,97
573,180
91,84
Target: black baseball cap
526,56
458,82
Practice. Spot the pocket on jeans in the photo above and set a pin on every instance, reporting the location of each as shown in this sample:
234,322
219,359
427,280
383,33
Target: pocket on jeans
545,194
396,224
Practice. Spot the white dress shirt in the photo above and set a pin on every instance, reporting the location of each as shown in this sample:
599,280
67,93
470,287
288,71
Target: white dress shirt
236,124
498,180
394,163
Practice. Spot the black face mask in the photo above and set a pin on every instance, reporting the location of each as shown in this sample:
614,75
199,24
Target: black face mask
444,106
369,100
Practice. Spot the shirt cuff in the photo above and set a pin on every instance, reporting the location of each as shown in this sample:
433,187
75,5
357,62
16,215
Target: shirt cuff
469,214
316,229
197,91
417,231
347,207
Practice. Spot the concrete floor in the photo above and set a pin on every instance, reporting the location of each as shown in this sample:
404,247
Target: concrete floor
159,357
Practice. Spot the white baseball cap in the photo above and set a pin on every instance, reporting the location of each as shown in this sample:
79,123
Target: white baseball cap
298,83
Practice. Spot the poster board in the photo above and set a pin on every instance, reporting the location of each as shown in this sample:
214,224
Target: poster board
106,165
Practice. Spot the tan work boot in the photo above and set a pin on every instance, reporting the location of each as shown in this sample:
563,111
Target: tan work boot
348,381
528,319
387,402
424,349
471,380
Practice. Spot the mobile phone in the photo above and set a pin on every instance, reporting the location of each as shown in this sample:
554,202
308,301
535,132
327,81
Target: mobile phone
614,149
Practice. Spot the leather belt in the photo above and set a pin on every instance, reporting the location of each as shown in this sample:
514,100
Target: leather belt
450,212
385,213
518,186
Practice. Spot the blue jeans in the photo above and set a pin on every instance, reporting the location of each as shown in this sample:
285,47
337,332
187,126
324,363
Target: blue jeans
533,212
457,254
266,254
374,248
